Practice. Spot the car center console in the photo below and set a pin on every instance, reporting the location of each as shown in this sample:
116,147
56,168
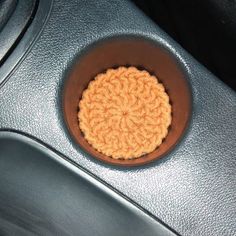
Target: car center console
191,189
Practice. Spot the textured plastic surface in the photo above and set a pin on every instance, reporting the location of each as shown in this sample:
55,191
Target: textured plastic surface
205,28
42,194
192,189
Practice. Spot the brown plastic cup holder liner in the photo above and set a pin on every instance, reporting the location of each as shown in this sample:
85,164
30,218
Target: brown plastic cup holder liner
143,54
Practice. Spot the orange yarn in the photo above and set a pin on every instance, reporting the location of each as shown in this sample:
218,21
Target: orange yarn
124,113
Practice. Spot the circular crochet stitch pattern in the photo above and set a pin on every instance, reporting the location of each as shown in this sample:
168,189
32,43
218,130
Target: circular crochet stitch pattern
124,113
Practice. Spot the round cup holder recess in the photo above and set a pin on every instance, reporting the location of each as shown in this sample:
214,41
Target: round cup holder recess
143,54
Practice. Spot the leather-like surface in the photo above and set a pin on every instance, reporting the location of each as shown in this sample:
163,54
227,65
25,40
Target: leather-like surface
193,188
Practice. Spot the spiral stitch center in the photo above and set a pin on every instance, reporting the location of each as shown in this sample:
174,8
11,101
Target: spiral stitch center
124,113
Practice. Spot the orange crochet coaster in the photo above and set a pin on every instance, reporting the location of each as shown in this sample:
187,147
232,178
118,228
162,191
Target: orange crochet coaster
124,113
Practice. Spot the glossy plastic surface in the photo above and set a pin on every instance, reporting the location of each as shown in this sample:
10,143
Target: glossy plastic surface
42,194
16,26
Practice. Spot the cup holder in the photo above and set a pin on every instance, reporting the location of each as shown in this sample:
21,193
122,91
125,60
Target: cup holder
128,51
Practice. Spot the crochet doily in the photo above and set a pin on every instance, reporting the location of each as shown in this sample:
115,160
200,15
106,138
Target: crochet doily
124,113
